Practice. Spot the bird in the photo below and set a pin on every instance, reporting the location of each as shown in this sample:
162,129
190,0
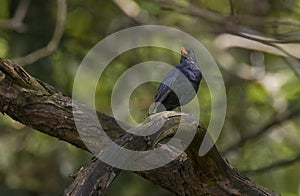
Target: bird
175,89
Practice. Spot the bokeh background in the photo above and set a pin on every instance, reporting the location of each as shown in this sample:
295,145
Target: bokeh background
254,42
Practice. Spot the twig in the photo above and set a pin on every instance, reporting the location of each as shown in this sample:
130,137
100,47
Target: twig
16,22
264,129
219,18
289,37
232,22
276,165
290,59
53,43
193,11
290,5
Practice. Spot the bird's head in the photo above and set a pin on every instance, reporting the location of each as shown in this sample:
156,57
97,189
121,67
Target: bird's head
187,55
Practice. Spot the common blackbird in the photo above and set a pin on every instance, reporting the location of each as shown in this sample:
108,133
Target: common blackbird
180,85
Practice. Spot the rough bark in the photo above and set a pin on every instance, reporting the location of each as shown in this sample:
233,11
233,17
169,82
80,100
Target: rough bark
40,106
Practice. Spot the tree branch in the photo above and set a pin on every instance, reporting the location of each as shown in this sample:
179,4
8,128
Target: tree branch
16,22
242,26
54,42
94,179
189,174
291,60
275,165
224,20
40,106
263,130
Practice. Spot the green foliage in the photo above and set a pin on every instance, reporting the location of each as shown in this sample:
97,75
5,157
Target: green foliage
32,163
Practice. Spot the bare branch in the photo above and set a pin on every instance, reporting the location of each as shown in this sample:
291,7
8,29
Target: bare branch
21,11
93,179
16,22
275,165
54,42
226,21
239,26
196,173
38,106
263,130
291,5
291,60
203,13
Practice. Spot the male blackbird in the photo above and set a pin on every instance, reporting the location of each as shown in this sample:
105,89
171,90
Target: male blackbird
180,85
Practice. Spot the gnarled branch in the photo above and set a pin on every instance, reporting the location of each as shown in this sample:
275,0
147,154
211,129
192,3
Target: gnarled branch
40,106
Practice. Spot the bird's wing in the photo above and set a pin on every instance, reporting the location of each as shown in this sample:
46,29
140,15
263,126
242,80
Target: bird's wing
165,88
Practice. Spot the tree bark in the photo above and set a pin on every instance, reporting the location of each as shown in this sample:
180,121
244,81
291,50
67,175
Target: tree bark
38,105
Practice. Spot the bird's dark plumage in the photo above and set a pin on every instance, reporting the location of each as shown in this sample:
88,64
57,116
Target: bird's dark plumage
180,85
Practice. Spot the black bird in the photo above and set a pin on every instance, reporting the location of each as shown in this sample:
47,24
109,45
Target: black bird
175,89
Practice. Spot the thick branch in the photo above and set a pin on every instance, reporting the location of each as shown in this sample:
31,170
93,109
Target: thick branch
189,174
40,106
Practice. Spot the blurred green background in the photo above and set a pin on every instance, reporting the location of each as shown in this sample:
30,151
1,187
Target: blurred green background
32,163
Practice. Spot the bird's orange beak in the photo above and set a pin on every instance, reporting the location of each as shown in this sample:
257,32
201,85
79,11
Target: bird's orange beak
183,51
